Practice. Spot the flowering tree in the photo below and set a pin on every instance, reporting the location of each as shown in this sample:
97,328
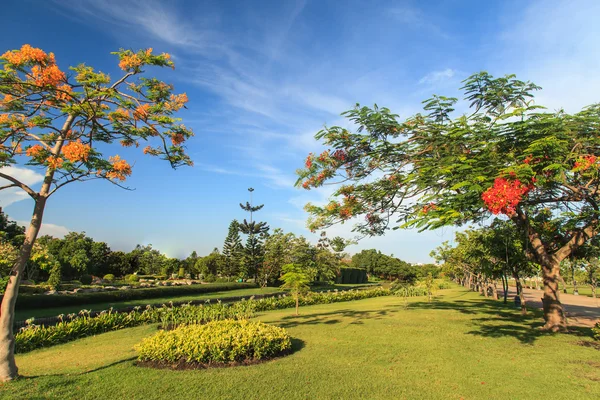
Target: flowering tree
60,123
505,156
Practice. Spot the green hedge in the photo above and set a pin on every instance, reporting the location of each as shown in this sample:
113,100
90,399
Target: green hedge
596,331
31,301
220,342
352,276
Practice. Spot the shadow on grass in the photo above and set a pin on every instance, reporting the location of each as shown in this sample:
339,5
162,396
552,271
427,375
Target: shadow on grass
89,371
355,317
499,320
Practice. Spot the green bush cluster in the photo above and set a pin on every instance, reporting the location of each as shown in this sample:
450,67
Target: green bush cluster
312,298
596,331
131,278
75,326
216,342
109,278
31,301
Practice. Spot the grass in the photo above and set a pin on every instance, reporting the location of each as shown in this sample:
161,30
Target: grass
459,346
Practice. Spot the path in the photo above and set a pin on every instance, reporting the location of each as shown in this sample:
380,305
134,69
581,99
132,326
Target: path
581,310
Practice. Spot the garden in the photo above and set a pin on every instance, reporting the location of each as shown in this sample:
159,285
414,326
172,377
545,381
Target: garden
274,314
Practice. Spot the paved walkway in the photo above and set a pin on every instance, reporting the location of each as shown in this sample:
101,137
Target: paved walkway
581,310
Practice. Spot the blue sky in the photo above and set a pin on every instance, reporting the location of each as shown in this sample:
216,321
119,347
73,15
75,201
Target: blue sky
264,76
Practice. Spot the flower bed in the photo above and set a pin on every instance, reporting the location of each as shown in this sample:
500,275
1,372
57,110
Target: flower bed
218,343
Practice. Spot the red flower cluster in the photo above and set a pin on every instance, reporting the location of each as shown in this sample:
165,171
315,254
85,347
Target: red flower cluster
504,196
585,162
429,207
340,155
309,161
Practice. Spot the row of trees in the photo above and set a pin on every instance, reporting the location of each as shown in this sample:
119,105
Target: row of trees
390,267
482,258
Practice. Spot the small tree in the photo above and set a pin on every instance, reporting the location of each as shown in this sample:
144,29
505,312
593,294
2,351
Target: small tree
60,123
295,280
233,250
256,231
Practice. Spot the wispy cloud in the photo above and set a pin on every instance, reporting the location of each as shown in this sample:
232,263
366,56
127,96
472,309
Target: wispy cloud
416,19
437,76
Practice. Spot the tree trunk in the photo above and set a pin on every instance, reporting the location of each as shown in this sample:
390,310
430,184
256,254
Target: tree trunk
553,309
297,304
8,366
505,287
495,289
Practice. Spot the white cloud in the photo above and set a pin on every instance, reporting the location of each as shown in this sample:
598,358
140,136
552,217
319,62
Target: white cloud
416,19
58,231
13,195
437,76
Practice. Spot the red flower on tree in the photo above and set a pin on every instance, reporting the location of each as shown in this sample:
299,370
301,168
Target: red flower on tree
504,196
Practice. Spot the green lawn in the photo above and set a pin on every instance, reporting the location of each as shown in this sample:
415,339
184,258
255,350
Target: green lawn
459,346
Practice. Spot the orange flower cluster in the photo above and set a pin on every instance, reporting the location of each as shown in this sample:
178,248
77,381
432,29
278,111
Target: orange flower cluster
177,139
119,114
62,92
50,75
76,151
141,113
4,118
129,62
120,169
7,99
147,149
28,54
54,162
177,101
34,151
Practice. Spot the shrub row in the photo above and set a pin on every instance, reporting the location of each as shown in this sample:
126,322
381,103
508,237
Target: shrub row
32,301
77,326
596,331
216,342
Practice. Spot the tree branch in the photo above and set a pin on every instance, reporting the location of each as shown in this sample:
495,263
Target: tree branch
20,184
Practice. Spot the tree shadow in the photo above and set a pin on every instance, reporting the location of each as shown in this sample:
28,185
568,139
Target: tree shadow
100,368
500,320
356,318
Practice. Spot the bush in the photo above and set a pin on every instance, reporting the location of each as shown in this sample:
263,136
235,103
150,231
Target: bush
210,278
351,276
216,342
132,278
596,331
86,279
109,278
55,277
31,301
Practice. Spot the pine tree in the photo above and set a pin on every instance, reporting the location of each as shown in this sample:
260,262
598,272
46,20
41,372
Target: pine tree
256,231
233,250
